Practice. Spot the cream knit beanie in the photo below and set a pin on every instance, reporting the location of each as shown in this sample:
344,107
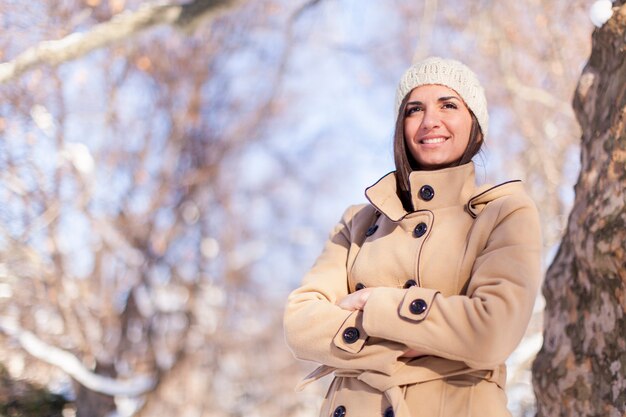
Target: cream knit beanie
452,74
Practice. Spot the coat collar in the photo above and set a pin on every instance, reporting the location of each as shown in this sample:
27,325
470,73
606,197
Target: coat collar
451,187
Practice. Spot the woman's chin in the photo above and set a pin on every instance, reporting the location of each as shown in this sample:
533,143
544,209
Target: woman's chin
429,164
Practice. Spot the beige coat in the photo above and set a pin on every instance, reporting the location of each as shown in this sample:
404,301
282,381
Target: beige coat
454,280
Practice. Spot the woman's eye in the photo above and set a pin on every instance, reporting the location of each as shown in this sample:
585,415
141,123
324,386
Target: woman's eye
412,110
449,106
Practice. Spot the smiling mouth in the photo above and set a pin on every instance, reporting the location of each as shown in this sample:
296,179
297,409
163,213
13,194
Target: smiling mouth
430,141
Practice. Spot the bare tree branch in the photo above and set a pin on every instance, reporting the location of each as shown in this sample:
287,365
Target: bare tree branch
429,17
302,9
71,365
122,26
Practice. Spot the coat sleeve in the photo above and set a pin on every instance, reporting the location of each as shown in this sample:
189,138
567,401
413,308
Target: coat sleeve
316,329
484,326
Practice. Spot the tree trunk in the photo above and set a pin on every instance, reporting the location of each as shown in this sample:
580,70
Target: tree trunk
94,404
581,368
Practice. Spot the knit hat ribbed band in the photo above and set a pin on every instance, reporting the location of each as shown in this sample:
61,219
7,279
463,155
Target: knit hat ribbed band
452,74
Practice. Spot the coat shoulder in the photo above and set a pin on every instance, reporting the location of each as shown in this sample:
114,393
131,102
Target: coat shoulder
503,198
359,217
359,213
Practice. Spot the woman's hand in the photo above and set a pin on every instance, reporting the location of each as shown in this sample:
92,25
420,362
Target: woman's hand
411,354
356,300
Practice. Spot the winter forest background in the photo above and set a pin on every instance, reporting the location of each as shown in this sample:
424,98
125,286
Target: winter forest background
168,174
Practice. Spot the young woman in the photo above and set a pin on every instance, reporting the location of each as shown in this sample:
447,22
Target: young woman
419,296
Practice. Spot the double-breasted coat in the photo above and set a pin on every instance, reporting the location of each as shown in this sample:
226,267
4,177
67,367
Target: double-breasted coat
455,280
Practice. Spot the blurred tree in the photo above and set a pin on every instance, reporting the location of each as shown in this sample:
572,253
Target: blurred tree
581,368
127,255
19,398
161,192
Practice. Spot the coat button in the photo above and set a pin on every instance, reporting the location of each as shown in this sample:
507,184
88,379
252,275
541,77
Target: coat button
389,412
372,229
351,335
427,193
416,307
359,286
420,229
410,283
339,411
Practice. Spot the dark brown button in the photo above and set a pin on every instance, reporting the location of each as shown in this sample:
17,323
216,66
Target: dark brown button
410,283
372,229
420,229
427,193
351,335
418,306
359,286
339,411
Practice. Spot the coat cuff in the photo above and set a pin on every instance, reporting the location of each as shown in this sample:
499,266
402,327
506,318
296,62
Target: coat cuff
351,335
417,303
386,306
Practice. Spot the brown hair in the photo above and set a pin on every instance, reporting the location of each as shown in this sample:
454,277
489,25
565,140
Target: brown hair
405,163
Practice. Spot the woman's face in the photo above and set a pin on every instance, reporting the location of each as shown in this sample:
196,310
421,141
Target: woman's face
437,126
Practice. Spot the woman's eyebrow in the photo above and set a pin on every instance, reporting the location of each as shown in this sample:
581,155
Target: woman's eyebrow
446,98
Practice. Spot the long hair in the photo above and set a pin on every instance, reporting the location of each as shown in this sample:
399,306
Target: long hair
405,163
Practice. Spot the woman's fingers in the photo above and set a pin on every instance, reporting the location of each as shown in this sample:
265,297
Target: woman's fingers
411,354
356,300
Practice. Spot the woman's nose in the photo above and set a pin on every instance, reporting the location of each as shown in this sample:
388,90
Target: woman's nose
431,120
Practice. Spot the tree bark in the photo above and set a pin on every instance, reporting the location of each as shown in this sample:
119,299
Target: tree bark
581,368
